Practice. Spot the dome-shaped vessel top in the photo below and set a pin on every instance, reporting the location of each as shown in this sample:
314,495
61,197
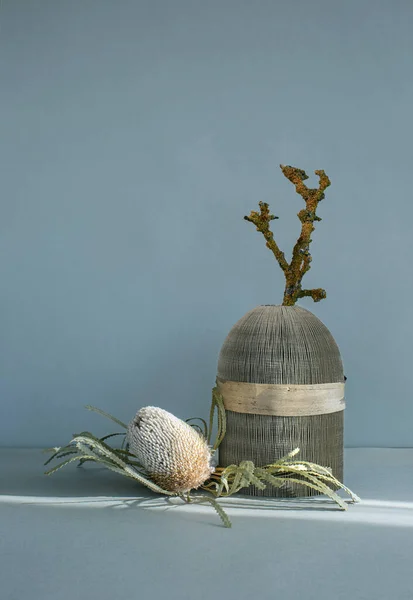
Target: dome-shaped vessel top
281,345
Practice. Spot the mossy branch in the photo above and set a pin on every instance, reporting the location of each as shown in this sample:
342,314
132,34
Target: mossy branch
301,257
262,222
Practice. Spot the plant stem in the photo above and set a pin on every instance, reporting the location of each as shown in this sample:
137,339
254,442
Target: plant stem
301,257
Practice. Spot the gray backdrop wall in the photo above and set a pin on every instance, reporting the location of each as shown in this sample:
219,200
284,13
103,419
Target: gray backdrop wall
135,135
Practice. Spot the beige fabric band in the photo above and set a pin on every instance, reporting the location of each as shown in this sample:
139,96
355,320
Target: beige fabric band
282,400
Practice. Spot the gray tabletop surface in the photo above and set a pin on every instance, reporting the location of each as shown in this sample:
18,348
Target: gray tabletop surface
91,534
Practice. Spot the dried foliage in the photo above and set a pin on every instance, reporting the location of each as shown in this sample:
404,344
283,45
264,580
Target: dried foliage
224,482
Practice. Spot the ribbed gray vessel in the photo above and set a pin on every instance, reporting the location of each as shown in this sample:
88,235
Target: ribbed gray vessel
275,344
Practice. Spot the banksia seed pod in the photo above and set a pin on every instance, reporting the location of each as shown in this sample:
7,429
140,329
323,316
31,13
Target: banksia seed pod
174,454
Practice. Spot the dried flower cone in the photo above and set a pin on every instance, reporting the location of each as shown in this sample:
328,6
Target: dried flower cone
174,454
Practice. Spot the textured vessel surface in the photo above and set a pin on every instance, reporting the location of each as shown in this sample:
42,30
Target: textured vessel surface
275,344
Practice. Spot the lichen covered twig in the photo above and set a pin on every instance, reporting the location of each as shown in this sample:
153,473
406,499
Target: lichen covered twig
262,222
301,257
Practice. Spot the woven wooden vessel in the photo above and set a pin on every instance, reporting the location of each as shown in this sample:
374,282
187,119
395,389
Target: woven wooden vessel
281,376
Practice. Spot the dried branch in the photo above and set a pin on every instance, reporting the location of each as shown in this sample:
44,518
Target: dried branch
262,222
301,257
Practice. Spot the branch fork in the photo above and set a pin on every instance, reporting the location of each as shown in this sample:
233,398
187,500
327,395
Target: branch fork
301,257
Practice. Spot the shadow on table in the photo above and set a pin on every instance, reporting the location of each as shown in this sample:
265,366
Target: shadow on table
150,500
